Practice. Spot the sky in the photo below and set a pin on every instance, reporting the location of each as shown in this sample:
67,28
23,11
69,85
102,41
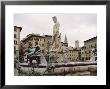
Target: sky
76,26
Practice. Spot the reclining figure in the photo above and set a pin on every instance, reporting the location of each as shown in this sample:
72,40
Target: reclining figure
33,54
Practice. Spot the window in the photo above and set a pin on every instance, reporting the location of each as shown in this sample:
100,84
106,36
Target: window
36,43
85,47
36,39
14,35
31,39
43,45
14,50
95,44
15,29
85,51
82,52
91,46
15,42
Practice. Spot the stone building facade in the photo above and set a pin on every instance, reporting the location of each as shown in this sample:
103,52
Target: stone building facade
83,55
34,40
88,46
17,31
73,54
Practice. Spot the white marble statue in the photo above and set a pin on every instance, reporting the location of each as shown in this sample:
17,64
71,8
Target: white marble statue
56,36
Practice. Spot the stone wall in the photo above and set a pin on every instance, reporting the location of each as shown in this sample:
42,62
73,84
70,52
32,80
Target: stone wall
65,69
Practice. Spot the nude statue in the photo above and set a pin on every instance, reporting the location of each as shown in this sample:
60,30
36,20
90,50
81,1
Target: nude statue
56,35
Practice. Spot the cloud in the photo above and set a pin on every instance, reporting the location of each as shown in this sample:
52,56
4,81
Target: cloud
75,25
